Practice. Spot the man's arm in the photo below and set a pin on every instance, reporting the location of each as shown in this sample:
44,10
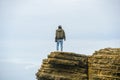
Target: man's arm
56,36
64,35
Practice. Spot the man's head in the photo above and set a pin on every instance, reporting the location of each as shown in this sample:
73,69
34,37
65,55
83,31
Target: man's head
59,27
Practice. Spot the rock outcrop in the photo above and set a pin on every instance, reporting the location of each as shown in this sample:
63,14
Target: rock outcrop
102,65
64,66
105,64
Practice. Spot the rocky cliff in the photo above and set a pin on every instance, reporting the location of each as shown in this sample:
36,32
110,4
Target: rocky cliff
102,65
63,66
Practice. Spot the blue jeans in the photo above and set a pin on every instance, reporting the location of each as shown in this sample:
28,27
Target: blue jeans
60,44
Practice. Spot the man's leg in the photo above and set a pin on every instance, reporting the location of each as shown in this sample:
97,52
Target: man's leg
61,44
57,45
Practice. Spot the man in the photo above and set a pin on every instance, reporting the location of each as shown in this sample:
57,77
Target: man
59,37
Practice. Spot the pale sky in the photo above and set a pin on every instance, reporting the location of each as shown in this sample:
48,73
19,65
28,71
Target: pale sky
27,31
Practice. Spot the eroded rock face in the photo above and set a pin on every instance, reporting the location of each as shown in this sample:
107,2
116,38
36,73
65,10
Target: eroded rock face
105,64
63,66
102,65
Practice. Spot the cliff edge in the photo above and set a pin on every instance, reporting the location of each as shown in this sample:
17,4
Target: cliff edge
102,65
63,66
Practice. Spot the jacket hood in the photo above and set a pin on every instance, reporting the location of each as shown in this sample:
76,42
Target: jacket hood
59,30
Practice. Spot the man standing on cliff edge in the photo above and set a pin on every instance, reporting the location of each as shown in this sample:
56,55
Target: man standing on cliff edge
59,37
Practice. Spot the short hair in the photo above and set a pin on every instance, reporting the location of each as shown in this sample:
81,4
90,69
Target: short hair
60,27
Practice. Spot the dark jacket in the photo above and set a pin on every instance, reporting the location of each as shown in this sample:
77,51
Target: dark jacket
60,34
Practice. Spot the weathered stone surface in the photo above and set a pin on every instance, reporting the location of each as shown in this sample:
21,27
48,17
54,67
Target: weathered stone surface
63,66
104,64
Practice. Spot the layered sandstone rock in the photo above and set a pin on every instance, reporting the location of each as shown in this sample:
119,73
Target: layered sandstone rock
102,65
105,64
63,66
